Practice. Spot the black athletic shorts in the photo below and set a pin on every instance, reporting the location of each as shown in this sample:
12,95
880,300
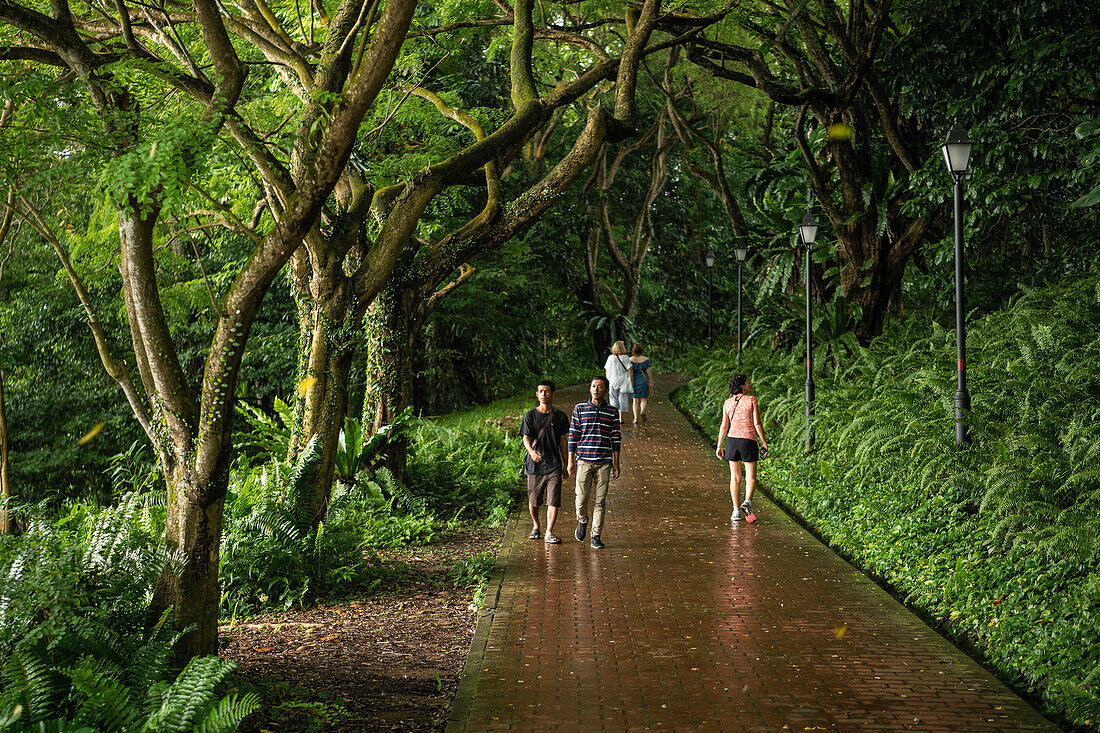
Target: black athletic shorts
742,449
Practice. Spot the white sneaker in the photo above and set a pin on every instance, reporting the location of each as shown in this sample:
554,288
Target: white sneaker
736,516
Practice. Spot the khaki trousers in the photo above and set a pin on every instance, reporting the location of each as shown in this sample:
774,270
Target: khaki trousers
592,482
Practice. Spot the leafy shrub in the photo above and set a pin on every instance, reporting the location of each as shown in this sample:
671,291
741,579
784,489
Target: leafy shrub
287,706
272,555
76,654
998,542
473,570
465,470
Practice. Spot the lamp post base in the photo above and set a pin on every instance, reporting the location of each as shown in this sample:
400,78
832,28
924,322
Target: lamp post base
962,406
809,414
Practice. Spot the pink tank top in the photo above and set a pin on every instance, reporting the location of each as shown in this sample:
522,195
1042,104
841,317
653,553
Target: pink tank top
741,411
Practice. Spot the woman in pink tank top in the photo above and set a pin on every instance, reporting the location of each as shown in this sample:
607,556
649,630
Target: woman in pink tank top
737,443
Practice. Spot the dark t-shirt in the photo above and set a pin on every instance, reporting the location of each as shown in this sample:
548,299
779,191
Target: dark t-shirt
548,443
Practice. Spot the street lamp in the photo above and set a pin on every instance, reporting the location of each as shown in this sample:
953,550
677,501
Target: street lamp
956,153
741,253
710,299
807,230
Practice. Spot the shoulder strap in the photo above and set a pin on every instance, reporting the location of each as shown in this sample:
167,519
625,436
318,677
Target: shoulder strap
545,424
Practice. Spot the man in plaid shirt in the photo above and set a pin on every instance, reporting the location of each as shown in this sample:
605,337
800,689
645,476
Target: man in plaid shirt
594,442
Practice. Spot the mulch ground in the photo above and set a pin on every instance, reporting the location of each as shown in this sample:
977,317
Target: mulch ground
387,660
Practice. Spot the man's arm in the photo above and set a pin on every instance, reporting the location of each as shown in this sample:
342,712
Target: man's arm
616,445
530,446
571,444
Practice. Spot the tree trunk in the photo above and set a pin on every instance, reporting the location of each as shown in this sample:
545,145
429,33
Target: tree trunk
193,537
334,332
5,476
393,321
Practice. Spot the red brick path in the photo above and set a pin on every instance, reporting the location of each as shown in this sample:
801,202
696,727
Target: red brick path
684,623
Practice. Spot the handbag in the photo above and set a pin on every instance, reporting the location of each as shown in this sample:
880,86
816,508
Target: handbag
545,424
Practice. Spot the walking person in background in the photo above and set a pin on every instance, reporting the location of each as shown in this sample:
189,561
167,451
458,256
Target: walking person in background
545,432
620,376
594,442
740,428
639,365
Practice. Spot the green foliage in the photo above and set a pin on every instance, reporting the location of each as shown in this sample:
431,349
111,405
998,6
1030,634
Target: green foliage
267,435
1091,159
1021,84
76,652
469,471
354,454
287,706
1000,542
272,554
474,570
500,332
275,555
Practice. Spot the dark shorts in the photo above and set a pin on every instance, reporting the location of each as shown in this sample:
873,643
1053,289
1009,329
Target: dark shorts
546,484
742,449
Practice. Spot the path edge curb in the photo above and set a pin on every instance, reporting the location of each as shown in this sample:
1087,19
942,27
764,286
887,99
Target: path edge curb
471,670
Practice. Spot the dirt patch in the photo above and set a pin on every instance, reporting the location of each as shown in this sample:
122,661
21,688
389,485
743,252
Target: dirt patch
387,660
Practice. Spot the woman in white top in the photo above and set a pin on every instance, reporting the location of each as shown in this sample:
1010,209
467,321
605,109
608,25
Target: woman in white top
621,376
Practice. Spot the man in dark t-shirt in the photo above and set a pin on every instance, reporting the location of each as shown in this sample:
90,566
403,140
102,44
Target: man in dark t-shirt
545,432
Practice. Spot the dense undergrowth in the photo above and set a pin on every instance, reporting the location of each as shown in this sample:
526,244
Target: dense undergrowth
78,650
997,543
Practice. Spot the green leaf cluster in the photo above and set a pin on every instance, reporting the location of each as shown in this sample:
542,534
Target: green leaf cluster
76,653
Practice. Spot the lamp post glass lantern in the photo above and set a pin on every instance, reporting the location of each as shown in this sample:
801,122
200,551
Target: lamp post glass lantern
741,253
710,299
956,154
807,230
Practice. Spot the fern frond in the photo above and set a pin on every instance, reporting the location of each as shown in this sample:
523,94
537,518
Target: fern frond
190,696
229,712
106,702
30,683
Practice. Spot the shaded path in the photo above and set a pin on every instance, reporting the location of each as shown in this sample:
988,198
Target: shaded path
685,623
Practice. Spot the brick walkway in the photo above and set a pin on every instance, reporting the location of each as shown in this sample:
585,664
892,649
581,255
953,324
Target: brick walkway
684,623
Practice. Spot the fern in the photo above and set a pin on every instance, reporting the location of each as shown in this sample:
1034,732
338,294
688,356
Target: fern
106,703
29,684
229,712
190,697
301,483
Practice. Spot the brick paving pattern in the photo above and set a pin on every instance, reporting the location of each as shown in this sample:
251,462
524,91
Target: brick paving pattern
684,623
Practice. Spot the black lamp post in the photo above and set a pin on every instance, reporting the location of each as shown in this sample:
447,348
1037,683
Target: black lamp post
710,299
742,254
956,152
808,231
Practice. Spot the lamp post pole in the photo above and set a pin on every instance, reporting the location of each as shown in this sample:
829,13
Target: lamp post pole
741,253
956,152
962,396
710,299
808,232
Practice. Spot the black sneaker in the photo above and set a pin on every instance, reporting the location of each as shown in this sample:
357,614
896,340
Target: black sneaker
581,531
596,544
